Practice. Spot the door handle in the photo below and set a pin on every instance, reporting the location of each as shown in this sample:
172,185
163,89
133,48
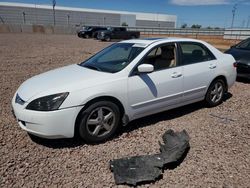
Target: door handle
176,75
212,66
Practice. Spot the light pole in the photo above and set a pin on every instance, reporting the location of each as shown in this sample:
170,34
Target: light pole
233,12
24,19
68,18
248,21
54,15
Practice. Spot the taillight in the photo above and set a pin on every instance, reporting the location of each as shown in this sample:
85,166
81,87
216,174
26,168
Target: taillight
235,64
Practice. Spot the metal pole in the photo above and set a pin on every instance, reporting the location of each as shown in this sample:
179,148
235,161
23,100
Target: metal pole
54,15
233,12
68,19
248,22
24,19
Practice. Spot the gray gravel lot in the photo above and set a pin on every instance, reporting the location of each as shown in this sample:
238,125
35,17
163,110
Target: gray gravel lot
220,136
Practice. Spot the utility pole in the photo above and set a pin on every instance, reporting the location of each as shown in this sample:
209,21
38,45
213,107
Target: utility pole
104,21
243,23
248,22
233,12
54,15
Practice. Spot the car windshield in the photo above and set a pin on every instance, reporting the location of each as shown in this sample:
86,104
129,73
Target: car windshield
113,58
244,45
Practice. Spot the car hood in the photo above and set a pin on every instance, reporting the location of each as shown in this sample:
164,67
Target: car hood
65,79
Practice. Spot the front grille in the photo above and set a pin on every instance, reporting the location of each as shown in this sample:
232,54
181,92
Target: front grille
19,100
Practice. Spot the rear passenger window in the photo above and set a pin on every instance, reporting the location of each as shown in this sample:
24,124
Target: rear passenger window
194,53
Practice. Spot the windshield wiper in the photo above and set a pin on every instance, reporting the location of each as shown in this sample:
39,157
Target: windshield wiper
92,67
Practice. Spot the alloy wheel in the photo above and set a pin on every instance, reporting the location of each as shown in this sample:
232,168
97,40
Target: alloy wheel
216,92
101,121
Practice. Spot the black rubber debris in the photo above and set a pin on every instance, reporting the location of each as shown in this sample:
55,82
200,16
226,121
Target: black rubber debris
148,168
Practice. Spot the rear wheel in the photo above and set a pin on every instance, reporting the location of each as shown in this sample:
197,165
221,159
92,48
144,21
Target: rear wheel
99,122
215,93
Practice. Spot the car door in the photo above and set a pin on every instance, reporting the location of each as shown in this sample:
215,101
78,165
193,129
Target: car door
199,65
157,91
116,33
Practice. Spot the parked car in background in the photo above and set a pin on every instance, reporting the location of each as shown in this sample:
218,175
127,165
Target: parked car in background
117,33
90,31
241,52
125,81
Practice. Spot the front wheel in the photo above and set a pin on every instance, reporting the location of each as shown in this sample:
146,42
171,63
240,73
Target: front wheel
86,36
99,122
215,93
107,38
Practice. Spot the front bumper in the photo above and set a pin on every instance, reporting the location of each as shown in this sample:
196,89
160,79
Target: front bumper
52,124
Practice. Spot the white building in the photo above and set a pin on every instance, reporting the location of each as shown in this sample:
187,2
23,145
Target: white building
20,13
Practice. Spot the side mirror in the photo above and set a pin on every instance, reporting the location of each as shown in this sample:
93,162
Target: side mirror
145,68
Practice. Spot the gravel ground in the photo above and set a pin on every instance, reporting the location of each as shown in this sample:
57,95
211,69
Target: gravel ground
220,145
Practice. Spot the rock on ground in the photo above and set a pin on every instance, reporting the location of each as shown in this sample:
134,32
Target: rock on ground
220,154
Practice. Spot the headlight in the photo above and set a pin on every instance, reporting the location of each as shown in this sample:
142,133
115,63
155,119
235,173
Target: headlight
47,103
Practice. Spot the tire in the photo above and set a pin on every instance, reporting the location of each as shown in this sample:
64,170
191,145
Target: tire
79,35
133,37
99,122
215,93
107,38
86,36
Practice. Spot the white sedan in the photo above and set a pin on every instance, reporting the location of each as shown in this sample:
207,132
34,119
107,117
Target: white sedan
123,82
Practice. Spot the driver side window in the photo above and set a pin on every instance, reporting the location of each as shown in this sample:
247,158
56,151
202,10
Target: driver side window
162,57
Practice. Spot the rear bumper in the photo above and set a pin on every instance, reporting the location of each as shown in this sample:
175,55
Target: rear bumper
243,70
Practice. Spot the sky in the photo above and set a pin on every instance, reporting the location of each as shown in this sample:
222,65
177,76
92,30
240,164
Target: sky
213,13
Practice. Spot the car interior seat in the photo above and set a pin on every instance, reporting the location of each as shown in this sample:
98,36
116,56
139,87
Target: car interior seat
197,55
166,59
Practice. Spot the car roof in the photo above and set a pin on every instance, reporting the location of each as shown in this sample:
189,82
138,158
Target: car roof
147,41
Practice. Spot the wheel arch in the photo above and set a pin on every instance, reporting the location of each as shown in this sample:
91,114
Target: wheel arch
222,77
92,101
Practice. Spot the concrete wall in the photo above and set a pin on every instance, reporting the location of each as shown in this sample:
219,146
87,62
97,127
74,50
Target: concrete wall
15,28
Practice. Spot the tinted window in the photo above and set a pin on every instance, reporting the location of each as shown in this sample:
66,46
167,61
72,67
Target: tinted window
113,58
194,53
244,45
162,57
